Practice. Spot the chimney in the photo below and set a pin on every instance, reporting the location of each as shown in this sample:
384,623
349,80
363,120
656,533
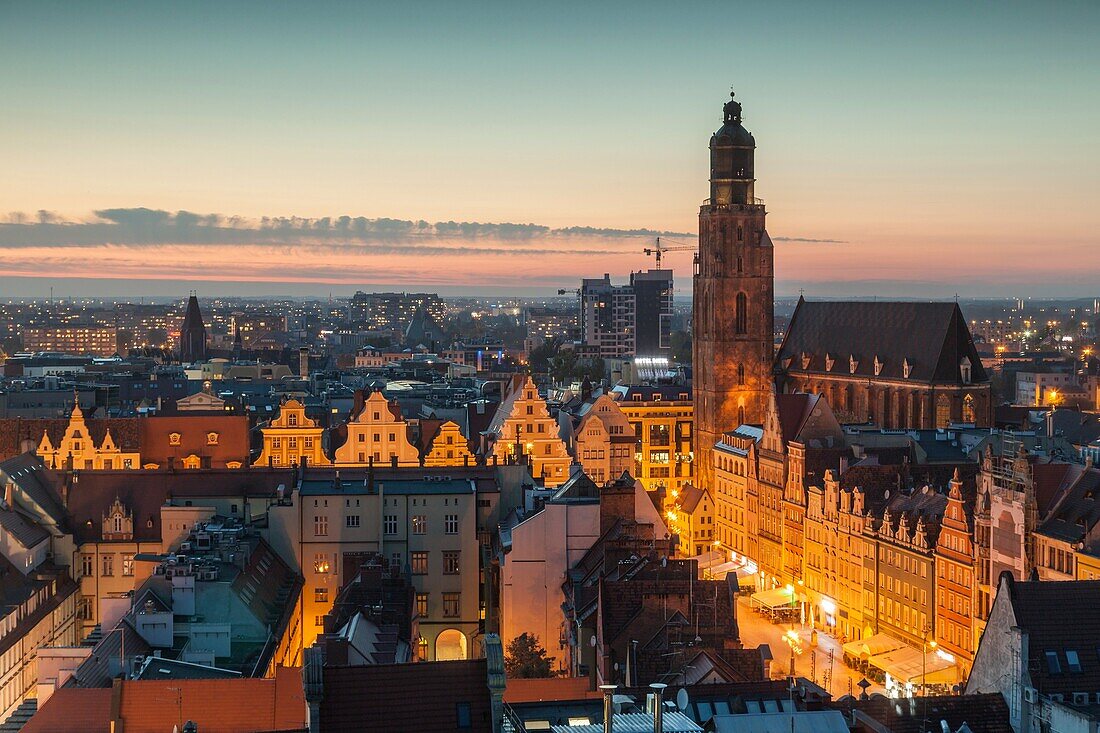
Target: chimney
657,703
303,362
608,706
616,502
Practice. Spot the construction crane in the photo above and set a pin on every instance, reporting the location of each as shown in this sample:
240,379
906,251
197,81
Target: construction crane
576,291
658,249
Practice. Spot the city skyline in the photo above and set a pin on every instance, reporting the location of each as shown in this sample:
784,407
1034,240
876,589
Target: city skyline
590,120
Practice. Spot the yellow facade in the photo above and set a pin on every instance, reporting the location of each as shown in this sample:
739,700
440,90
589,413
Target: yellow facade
77,445
735,506
292,436
449,448
523,424
377,434
691,518
663,455
604,441
1087,564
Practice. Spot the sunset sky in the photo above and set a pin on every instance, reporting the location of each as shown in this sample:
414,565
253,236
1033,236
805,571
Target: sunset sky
917,149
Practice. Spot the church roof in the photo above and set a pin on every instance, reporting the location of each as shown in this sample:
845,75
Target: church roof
192,319
931,338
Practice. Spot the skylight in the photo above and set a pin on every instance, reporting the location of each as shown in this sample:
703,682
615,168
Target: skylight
1073,662
1053,664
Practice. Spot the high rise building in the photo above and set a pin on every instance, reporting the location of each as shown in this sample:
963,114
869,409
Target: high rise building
732,312
192,333
627,320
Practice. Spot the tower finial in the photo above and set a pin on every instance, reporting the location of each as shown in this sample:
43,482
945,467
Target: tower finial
731,112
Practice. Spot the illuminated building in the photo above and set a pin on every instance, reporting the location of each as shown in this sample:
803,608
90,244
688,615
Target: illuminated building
732,306
735,503
378,434
292,437
691,517
72,339
662,420
955,603
522,426
449,447
603,439
77,448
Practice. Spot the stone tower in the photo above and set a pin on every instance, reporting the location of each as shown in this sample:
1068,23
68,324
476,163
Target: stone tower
192,333
732,308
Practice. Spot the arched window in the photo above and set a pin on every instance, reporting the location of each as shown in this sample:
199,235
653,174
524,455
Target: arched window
741,415
742,313
740,264
968,409
943,411
740,234
740,373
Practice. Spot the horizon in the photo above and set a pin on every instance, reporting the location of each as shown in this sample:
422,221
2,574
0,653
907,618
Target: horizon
177,147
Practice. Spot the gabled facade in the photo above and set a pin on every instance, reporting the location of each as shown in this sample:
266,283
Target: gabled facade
955,565
77,448
523,429
291,438
449,447
378,435
735,504
603,441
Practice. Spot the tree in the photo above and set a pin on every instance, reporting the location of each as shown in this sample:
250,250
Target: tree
525,658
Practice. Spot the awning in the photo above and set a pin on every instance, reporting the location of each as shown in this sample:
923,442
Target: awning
774,598
708,560
872,646
909,665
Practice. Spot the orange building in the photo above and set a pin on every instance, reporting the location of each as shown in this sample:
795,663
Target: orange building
292,437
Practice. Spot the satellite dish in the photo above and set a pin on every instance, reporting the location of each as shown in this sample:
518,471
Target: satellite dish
886,494
592,641
682,699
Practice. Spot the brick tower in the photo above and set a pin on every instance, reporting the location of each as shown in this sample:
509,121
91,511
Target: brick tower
732,308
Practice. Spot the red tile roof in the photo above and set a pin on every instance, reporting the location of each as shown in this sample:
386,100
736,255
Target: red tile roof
155,706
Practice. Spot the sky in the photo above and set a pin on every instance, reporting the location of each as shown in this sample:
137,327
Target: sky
916,150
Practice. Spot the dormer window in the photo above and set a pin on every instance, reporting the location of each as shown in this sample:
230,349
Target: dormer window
906,368
292,420
964,370
805,360
173,438
878,366
853,364
829,361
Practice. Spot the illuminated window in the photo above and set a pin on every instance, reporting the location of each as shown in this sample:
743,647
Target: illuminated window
450,562
419,562
968,409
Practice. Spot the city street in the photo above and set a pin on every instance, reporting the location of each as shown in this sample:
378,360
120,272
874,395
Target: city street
813,664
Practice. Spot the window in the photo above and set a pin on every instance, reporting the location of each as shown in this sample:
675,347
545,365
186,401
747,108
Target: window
420,524
320,595
462,714
450,604
320,563
108,565
292,420
320,525
1053,664
318,620
1073,662
742,315
450,524
87,565
128,565
351,521
419,561
450,562
389,524
422,604
84,608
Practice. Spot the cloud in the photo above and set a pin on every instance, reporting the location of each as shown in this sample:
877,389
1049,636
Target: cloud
804,240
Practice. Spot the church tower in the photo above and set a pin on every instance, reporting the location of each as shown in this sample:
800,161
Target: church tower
192,333
732,307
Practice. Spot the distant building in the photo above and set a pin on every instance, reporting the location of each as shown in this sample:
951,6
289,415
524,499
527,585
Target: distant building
628,320
192,342
1044,388
72,339
393,311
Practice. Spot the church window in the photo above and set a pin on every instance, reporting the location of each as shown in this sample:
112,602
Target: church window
740,373
742,314
740,265
740,238
968,409
943,411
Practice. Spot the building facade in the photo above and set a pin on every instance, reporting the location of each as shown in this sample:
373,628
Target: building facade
662,419
627,320
377,435
292,438
523,429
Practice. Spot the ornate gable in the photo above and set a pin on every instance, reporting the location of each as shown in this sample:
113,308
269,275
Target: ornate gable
118,523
